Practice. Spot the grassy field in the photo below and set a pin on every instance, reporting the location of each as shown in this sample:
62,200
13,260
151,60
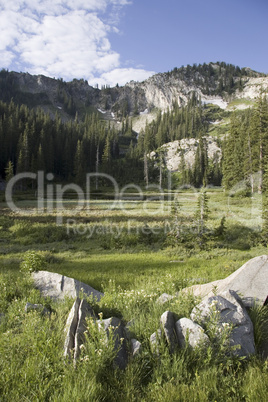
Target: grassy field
131,250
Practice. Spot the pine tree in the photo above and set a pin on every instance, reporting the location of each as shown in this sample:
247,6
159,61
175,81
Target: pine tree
79,163
146,170
233,155
9,171
202,212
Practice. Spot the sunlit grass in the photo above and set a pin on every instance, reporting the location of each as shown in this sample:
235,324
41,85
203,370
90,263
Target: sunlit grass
112,247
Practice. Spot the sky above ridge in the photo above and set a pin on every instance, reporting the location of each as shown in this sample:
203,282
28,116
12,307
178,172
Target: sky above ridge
115,41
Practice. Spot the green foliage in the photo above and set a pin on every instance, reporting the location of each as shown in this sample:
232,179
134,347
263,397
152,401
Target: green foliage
259,318
214,78
33,261
133,270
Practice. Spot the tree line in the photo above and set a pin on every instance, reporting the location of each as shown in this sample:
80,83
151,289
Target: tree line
31,141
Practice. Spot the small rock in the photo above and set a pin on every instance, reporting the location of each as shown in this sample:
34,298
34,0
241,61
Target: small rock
189,332
165,297
70,328
168,324
135,347
36,307
128,331
155,341
119,338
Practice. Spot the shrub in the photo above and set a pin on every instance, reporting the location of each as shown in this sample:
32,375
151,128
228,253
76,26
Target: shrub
33,261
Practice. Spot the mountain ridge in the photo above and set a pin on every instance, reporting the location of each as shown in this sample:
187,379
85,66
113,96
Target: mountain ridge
216,83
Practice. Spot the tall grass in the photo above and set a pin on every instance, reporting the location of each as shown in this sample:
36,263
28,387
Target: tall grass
133,270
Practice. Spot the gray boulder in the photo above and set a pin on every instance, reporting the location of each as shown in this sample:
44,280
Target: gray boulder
189,332
114,326
229,312
84,311
70,328
165,297
58,286
155,340
250,281
76,327
167,322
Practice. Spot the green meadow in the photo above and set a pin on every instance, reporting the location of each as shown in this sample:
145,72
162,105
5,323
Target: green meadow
133,250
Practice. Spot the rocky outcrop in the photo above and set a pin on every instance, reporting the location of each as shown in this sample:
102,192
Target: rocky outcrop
249,281
187,147
225,313
159,91
58,286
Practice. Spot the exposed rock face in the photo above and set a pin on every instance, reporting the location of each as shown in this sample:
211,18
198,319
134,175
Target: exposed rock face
159,91
189,332
250,281
59,286
188,146
252,88
228,310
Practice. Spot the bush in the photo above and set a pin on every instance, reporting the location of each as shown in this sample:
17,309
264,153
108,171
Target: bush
33,261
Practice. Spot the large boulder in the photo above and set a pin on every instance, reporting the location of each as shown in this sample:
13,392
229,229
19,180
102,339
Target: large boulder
250,281
226,311
58,286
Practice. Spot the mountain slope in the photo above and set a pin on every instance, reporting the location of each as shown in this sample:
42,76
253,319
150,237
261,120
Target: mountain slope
216,83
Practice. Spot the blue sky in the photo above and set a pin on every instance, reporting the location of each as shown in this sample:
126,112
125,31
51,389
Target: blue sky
115,41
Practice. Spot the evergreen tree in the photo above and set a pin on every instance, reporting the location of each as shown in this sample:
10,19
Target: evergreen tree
106,156
202,212
79,163
9,171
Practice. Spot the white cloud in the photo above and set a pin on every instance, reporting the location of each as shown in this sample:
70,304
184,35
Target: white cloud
64,38
121,76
